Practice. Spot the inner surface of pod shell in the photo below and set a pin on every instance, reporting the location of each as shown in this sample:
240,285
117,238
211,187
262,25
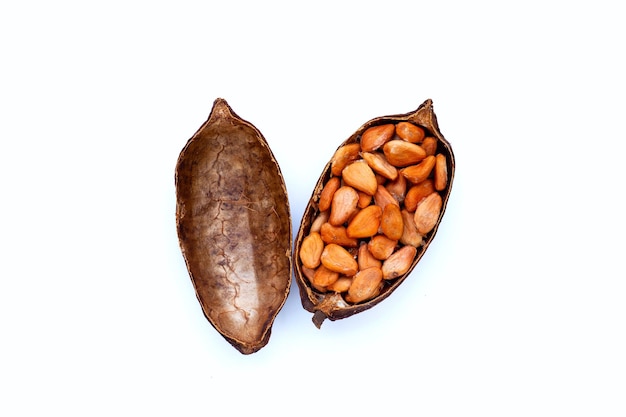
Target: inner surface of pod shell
234,227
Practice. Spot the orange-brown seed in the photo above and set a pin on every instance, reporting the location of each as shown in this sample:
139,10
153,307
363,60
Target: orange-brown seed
343,156
343,205
383,197
365,259
429,144
400,153
441,172
410,132
364,200
341,285
324,277
308,273
397,188
391,222
310,276
376,136
379,165
399,262
360,176
365,285
321,218
326,196
410,235
336,234
365,223
417,193
427,213
338,259
311,250
418,173
381,247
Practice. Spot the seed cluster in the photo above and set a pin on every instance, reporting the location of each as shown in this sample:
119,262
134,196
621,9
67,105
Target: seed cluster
381,200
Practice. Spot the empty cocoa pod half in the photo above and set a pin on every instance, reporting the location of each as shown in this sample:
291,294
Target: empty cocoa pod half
326,302
234,227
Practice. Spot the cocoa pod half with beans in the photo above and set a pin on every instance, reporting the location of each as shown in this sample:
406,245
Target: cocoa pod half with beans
234,227
373,213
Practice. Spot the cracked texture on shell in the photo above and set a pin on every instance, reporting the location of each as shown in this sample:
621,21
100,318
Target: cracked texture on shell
234,216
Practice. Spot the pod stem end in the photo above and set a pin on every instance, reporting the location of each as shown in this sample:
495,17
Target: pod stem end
318,318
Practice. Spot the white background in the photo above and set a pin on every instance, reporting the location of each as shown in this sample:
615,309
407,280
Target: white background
518,307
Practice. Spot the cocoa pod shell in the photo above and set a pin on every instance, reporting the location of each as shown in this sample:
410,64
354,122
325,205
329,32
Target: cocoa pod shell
332,305
234,227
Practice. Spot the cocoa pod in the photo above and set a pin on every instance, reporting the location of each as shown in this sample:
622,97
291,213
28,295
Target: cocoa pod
328,303
234,227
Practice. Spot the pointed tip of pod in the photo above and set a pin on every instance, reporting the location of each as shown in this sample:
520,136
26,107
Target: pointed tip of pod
220,109
220,102
250,348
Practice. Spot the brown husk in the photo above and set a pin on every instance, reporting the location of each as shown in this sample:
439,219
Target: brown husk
331,305
234,227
